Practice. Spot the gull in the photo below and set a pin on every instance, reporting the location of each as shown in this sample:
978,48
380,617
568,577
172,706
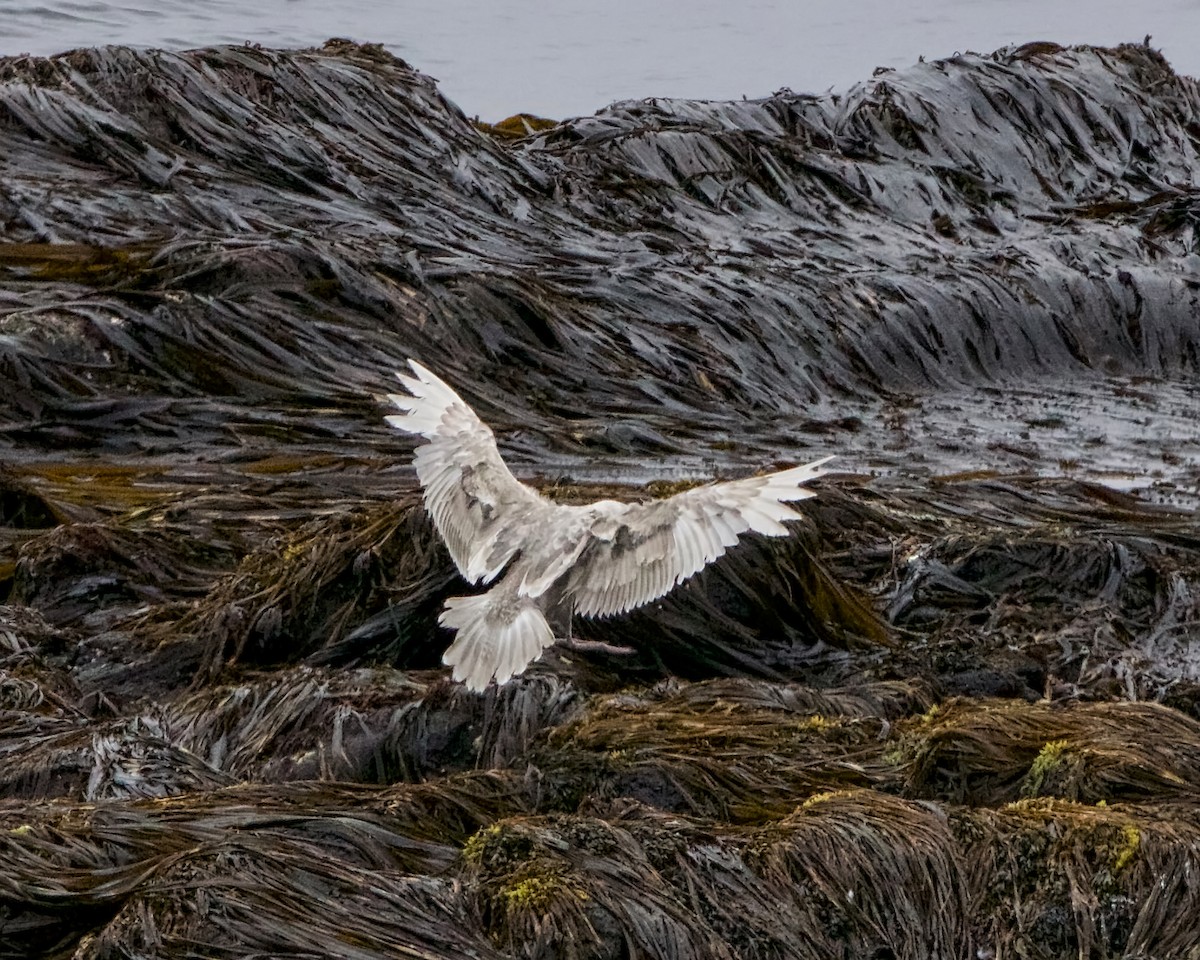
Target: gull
596,560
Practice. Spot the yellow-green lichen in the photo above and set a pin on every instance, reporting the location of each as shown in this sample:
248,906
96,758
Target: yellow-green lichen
473,849
930,715
1126,850
823,796
538,891
1048,759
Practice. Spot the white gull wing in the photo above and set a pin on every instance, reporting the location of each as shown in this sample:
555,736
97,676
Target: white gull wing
481,510
638,552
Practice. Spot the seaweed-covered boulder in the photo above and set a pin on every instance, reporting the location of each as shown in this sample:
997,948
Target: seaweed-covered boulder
292,225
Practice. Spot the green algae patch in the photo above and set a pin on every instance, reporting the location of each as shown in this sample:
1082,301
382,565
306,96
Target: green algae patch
1125,851
499,847
477,843
824,797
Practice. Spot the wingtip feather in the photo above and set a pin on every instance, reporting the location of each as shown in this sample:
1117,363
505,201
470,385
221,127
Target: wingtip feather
788,484
418,369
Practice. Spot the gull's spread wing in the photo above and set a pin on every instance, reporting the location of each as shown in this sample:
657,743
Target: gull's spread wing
639,551
481,510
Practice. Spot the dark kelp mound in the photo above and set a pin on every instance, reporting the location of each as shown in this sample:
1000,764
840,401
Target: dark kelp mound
515,865
954,714
280,230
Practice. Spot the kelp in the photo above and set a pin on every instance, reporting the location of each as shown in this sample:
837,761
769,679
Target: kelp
151,856
76,570
302,591
817,830
727,762
574,803
366,585
1089,752
953,713
1063,878
658,240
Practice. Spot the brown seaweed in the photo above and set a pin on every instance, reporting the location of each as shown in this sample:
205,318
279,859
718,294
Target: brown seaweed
954,714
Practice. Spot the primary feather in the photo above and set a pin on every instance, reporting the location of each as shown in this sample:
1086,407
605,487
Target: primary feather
599,559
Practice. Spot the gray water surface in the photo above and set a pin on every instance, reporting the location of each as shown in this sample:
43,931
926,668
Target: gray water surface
570,58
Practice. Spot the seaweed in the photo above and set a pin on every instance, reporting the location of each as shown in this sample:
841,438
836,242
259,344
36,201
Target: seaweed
955,713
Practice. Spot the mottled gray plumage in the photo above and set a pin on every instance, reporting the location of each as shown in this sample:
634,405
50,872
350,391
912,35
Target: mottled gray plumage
596,560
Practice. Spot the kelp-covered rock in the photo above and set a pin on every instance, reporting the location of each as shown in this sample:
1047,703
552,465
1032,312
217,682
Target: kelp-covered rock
289,226
516,868
918,727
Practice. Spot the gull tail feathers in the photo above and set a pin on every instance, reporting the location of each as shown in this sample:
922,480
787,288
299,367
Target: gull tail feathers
498,636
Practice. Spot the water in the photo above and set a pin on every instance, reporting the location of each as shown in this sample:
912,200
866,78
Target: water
571,58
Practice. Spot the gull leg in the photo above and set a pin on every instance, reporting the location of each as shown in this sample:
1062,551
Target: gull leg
597,646
601,647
